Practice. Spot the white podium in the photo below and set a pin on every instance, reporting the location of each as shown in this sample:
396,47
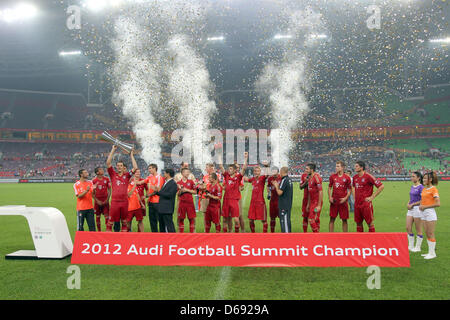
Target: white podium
48,229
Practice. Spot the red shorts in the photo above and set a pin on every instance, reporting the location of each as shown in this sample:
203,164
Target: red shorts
138,213
257,210
273,209
101,209
230,208
213,214
341,208
364,211
304,205
312,214
118,211
186,207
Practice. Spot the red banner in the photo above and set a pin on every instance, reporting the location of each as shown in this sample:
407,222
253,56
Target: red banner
242,249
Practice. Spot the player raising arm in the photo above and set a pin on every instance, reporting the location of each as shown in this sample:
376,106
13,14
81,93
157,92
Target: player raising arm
119,197
257,209
230,208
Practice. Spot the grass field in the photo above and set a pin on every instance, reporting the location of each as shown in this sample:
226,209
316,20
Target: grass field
46,279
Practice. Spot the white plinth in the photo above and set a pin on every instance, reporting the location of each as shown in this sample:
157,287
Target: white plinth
48,229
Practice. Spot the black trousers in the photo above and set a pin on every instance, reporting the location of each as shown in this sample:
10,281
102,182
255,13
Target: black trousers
167,222
153,217
87,215
285,220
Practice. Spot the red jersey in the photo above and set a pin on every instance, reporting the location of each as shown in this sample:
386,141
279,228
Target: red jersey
119,185
215,190
305,191
314,186
141,188
271,188
340,185
101,191
258,188
189,184
364,186
231,185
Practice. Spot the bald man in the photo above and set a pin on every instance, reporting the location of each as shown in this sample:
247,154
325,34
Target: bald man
284,191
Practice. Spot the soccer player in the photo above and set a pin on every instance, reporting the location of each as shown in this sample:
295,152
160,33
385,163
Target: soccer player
284,191
341,184
119,196
230,207
304,186
315,197
135,203
85,210
101,194
430,200
363,193
214,194
413,214
257,209
351,200
273,197
186,188
154,179
142,189
241,216
204,187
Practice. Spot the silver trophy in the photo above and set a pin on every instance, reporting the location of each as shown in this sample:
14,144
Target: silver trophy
122,145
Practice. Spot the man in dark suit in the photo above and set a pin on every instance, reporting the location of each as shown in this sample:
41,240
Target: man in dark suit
167,194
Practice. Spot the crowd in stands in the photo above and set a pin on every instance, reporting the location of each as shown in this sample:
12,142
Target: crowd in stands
36,160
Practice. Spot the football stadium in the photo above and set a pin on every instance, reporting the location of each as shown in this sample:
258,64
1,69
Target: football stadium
224,150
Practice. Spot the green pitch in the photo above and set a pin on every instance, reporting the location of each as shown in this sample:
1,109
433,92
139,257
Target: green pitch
46,279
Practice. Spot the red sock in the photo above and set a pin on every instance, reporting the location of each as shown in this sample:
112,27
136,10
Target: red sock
265,225
305,225
208,226
237,227
359,229
191,225
272,225
318,224
124,226
225,229
181,225
372,229
252,226
106,221
99,223
218,227
313,224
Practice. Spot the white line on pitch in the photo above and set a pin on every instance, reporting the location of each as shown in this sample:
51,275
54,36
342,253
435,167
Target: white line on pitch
225,273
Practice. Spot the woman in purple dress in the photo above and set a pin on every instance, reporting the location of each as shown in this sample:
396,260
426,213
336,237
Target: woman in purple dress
413,214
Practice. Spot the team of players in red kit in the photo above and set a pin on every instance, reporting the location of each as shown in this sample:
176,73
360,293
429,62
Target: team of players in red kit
128,192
